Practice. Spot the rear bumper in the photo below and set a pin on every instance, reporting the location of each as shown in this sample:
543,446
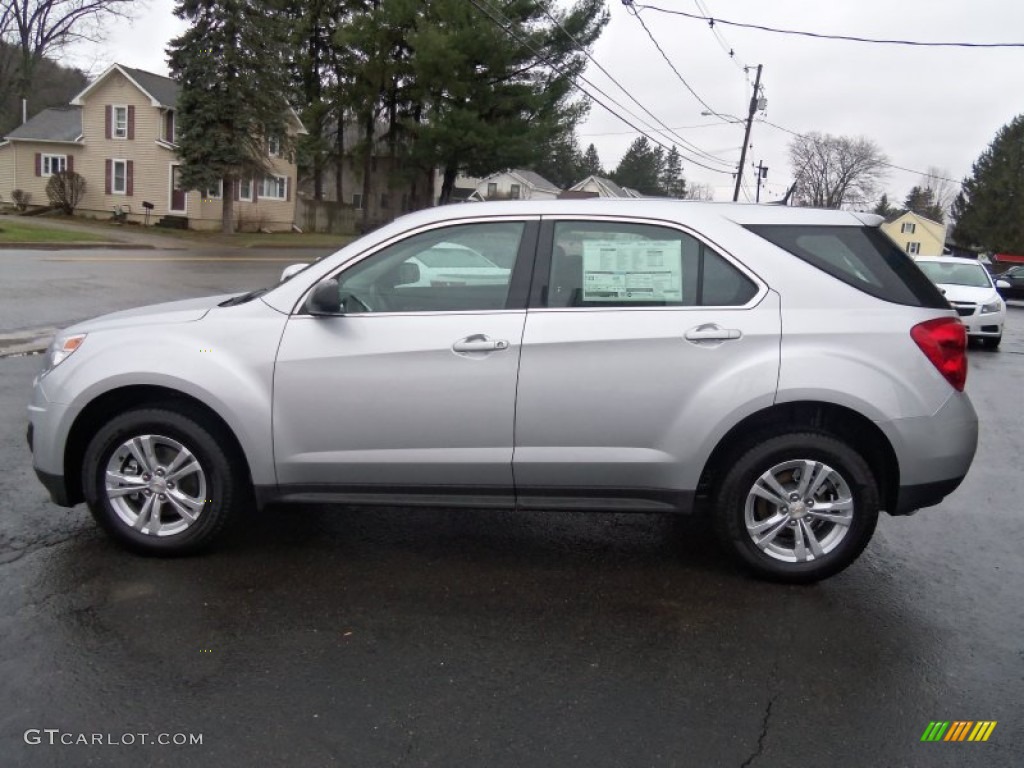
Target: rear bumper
914,497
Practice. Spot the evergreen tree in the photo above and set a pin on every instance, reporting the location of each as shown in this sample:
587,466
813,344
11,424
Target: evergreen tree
672,182
884,208
562,163
638,168
591,163
989,211
231,65
921,200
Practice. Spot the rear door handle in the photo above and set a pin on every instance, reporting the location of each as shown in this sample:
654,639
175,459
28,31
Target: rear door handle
711,332
479,343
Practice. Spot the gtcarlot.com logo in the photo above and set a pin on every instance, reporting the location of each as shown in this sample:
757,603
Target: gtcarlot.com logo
56,737
958,730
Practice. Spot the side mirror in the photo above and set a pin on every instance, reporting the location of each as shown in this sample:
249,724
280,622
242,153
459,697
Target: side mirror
325,298
292,270
408,273
1003,284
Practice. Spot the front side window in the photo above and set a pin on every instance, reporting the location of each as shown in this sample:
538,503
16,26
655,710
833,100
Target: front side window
54,164
119,177
120,122
453,269
602,264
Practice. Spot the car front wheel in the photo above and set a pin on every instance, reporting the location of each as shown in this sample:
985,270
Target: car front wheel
159,482
797,507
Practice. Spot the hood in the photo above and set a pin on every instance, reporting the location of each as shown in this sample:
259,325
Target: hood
968,293
186,311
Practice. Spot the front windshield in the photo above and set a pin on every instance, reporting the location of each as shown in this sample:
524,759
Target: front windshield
946,273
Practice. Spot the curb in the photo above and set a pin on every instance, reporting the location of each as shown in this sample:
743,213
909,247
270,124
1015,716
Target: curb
25,342
66,245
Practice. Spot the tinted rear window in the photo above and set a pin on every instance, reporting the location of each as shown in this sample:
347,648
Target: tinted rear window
859,256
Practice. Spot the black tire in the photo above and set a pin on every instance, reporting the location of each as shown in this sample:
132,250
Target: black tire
222,484
852,474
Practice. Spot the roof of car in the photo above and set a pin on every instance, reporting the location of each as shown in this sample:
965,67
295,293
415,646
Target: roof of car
949,260
648,208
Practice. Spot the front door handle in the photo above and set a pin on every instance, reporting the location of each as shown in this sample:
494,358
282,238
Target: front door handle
711,332
479,343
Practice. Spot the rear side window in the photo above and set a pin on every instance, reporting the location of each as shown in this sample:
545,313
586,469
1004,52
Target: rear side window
620,264
862,257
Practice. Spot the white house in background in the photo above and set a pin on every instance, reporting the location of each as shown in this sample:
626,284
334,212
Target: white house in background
515,185
599,186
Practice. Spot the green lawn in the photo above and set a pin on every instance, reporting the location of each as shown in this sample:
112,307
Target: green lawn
17,231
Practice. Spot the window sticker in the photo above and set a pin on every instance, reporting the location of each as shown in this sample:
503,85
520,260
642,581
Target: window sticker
636,270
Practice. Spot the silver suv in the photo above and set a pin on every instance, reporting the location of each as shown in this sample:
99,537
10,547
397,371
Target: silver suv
788,371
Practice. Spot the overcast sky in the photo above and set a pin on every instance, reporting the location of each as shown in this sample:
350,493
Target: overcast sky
923,106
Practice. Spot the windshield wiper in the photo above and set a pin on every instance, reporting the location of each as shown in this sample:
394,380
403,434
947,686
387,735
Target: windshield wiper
236,300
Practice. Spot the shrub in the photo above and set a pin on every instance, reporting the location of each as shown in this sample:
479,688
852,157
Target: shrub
65,190
21,199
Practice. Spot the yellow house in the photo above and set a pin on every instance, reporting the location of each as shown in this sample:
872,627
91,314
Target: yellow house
119,134
917,235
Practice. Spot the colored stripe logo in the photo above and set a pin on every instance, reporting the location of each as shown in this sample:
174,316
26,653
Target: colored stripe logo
958,730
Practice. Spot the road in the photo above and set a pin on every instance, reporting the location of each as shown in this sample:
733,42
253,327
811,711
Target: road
368,637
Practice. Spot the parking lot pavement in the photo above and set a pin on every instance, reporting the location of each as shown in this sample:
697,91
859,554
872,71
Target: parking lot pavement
359,637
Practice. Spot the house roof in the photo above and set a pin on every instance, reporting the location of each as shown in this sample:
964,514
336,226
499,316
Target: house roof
606,187
162,91
55,124
535,180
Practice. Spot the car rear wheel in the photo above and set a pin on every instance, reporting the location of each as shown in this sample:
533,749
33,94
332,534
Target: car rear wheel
159,482
797,508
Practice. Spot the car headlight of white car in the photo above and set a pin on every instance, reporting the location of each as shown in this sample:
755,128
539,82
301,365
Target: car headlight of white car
61,349
992,306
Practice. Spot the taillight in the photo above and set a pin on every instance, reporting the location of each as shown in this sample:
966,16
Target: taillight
944,342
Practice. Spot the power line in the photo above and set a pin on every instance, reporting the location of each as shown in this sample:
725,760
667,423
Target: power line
487,11
677,128
821,36
636,14
585,52
729,50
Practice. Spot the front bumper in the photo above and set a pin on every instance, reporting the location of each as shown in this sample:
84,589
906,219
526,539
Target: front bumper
989,325
47,434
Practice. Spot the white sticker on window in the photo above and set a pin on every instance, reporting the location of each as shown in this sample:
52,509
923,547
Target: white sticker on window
634,270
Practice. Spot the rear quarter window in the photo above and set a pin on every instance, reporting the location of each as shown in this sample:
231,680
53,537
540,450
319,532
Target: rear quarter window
862,257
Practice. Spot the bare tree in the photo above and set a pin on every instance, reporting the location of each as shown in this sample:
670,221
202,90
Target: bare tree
833,171
695,191
38,28
944,191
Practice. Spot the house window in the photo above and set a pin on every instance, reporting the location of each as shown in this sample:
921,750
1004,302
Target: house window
245,189
515,191
908,228
120,122
274,187
214,193
913,248
384,200
54,164
273,146
492,189
119,177
357,201
169,127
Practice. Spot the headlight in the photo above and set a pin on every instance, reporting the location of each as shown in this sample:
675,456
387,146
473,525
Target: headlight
992,306
62,348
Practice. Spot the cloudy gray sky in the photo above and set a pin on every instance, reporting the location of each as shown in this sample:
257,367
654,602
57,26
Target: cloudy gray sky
923,106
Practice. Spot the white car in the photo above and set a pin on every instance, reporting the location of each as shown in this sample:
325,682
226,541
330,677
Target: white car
968,286
451,264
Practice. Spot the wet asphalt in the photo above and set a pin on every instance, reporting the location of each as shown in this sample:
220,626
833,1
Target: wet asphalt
325,636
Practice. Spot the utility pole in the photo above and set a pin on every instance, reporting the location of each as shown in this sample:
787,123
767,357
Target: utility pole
746,134
762,173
